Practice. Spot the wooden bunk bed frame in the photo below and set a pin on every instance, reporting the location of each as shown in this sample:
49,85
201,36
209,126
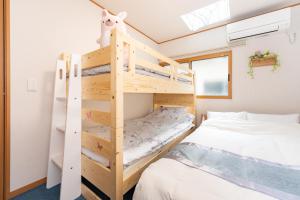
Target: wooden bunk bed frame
116,181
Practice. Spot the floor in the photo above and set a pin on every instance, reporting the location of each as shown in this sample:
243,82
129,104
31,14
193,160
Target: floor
41,193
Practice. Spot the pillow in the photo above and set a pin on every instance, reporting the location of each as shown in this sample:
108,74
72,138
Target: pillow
167,111
290,118
171,114
226,115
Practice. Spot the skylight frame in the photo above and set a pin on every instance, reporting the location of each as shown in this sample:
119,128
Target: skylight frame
208,15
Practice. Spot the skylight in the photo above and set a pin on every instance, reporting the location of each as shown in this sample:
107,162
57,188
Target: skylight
207,15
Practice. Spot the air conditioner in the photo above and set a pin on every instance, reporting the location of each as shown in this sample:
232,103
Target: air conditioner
277,21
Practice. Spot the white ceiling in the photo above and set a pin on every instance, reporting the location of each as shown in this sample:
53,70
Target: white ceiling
160,19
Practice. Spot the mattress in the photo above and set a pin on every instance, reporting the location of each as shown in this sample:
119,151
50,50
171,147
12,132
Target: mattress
274,142
145,135
139,70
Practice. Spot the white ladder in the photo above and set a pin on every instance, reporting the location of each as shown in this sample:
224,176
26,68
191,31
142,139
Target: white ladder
64,164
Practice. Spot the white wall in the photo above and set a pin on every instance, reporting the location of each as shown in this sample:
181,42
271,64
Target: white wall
269,92
40,31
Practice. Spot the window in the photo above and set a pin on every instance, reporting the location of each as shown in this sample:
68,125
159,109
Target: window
213,13
212,75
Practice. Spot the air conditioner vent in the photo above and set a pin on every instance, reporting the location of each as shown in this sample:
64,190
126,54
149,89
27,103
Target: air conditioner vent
261,25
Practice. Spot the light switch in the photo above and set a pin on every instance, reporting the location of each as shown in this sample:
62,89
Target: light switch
31,85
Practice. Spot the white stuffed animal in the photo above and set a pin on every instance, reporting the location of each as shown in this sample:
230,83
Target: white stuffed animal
108,23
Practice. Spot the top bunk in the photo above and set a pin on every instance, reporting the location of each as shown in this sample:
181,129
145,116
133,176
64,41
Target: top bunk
120,62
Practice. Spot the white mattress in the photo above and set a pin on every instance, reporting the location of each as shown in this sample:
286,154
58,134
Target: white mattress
274,142
144,136
139,70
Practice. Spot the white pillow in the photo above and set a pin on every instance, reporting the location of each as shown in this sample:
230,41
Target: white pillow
227,115
290,118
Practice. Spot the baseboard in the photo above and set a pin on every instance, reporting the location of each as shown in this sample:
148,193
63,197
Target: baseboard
27,188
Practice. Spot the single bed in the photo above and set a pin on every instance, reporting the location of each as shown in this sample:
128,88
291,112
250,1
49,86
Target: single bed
263,142
145,135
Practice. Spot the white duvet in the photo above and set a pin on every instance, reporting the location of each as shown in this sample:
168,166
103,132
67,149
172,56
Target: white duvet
274,142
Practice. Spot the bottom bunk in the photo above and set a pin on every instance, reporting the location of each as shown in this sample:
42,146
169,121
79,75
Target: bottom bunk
146,139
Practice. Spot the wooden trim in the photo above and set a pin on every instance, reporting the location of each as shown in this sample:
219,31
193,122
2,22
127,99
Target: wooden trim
147,36
214,97
7,98
211,56
205,29
27,188
1,100
204,57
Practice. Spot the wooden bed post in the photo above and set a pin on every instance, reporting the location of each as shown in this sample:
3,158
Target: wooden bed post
117,115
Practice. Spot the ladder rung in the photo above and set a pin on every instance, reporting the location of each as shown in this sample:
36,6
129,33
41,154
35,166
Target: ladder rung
63,99
58,160
61,129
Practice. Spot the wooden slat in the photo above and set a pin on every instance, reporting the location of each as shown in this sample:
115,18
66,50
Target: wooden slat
184,76
133,173
97,174
88,194
149,50
96,116
189,71
152,66
96,87
132,59
96,144
96,58
174,99
146,84
67,58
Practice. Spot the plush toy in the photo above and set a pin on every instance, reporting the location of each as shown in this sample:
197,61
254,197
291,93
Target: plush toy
108,23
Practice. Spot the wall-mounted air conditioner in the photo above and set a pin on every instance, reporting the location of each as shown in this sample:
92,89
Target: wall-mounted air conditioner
277,21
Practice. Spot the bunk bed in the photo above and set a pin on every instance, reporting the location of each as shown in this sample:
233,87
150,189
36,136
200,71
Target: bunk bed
106,76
